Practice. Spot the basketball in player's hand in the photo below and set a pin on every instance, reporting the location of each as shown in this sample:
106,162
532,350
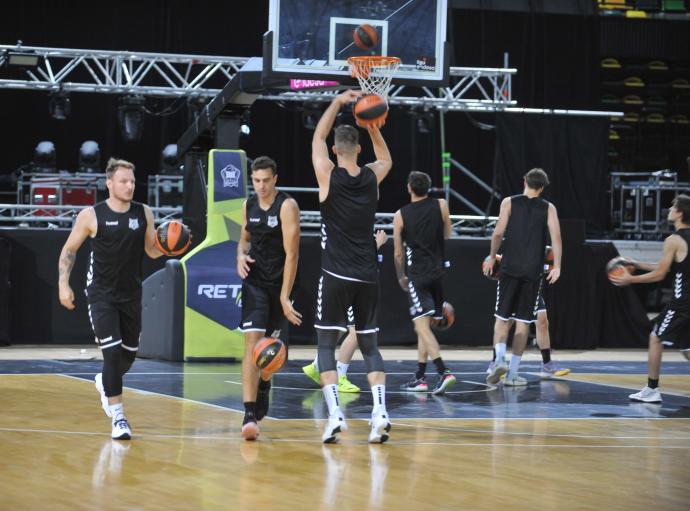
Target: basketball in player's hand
548,259
496,270
618,266
448,318
269,355
173,238
365,37
371,110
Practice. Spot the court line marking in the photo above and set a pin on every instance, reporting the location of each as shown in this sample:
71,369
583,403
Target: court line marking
177,398
238,439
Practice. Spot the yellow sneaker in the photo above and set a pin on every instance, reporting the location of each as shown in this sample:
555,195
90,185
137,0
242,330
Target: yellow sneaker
312,372
345,385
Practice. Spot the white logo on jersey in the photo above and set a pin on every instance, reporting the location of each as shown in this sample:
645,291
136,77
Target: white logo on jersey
134,223
231,176
255,220
112,223
272,221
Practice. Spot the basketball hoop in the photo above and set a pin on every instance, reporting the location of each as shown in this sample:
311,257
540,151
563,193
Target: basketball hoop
374,74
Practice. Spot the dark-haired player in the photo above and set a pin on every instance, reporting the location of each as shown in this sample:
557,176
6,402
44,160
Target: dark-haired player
672,327
121,231
348,195
267,256
523,223
421,228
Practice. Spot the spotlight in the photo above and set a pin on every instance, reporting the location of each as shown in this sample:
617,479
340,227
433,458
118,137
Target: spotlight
424,121
89,157
194,107
130,116
59,105
44,157
170,162
245,123
310,116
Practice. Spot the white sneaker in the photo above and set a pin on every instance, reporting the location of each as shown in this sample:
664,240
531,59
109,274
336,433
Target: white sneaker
121,430
336,424
514,380
380,426
647,395
98,381
497,371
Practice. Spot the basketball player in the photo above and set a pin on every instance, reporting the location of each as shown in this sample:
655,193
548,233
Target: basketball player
525,220
421,227
348,195
267,256
349,344
673,324
121,231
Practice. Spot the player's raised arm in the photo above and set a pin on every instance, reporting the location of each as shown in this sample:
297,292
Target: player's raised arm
383,162
85,225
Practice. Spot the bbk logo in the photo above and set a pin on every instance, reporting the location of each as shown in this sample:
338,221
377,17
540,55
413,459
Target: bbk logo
230,176
221,291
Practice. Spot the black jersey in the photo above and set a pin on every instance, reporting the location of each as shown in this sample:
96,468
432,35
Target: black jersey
117,250
347,216
681,275
525,238
266,231
423,234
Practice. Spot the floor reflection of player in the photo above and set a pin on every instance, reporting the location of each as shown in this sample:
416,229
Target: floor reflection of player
672,326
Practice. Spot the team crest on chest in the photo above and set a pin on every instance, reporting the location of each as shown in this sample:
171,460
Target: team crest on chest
272,221
134,223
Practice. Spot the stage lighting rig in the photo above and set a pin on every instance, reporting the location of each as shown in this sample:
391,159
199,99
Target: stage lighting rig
130,116
59,105
90,157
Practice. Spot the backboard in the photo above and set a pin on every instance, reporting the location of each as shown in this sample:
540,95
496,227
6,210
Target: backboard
314,38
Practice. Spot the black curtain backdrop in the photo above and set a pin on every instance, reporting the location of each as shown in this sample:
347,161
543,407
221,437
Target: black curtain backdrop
572,151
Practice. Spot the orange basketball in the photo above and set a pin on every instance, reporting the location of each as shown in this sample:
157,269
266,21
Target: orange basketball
448,318
365,37
617,267
173,238
548,259
371,110
269,355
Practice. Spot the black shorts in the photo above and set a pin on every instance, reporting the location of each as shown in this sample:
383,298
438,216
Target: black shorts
116,323
541,304
262,311
517,299
425,298
672,326
335,295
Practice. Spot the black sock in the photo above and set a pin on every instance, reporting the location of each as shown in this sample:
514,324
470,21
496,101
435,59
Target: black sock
264,384
494,359
652,384
421,370
440,366
249,412
546,355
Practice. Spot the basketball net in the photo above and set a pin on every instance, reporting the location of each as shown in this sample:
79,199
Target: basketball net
374,74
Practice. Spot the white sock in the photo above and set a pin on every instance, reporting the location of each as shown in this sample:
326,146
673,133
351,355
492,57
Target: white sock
342,369
330,393
316,362
378,392
500,348
117,411
514,364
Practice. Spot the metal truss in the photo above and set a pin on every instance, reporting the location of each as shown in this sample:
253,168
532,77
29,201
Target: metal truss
118,72
28,214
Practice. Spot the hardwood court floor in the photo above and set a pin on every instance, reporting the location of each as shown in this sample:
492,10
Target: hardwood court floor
444,454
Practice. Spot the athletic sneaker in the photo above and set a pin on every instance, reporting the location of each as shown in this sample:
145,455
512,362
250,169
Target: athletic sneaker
553,369
336,424
250,429
415,385
262,395
98,381
495,372
647,395
313,373
514,380
444,381
380,426
345,385
121,430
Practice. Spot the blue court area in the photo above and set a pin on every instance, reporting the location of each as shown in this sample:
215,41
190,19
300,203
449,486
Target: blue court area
295,396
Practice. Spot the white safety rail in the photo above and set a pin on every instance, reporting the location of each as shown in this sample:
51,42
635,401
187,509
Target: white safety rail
119,72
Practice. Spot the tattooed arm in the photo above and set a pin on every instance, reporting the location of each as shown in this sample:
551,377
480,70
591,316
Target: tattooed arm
84,226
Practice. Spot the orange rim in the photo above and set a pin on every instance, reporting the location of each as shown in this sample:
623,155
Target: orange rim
362,64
